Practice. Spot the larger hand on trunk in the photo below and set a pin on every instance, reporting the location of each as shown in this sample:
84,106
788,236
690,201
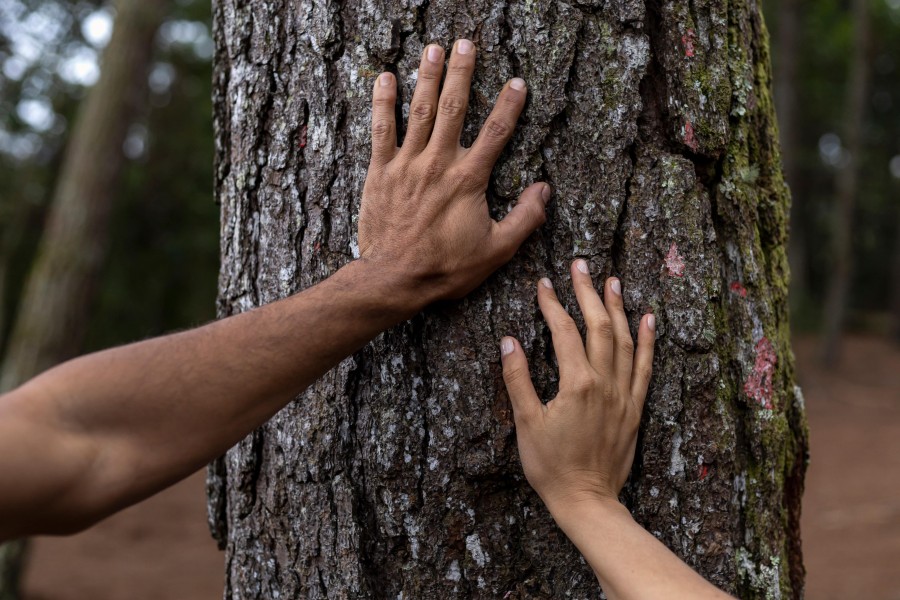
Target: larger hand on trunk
424,215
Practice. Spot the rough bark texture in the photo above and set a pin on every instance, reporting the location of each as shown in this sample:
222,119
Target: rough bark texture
847,184
396,475
53,311
787,105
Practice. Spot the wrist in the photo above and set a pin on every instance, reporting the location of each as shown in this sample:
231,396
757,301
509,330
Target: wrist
574,509
391,289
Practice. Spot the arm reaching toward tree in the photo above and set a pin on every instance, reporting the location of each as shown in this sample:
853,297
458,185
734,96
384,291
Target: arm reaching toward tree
577,449
103,431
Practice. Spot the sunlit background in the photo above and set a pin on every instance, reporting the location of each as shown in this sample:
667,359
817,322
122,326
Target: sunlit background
838,93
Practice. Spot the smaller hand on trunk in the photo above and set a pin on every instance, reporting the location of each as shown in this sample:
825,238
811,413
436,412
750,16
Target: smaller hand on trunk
580,445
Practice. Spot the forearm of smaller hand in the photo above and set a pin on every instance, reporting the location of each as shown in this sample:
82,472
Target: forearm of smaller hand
630,563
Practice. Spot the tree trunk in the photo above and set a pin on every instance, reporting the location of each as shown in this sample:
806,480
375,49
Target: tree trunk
847,185
787,102
15,220
895,288
54,309
396,475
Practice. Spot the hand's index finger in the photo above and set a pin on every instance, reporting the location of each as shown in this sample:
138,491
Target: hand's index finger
567,342
384,126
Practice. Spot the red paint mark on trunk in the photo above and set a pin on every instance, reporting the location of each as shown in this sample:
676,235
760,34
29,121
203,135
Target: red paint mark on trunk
758,386
303,137
689,137
688,40
703,471
738,289
674,262
317,246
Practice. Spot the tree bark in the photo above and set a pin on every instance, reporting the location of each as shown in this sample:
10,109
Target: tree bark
787,103
396,475
54,308
847,185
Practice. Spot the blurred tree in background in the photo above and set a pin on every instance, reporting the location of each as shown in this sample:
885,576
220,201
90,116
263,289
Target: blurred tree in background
163,253
823,40
159,224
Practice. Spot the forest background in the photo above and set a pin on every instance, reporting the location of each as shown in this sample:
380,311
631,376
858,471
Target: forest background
838,97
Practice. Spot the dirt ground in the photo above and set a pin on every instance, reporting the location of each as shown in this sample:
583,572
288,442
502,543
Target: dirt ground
161,550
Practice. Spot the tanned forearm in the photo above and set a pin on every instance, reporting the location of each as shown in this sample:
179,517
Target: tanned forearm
148,414
101,432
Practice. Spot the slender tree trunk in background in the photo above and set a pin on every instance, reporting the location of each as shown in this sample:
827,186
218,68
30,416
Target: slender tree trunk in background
786,103
396,475
847,185
54,309
15,222
895,290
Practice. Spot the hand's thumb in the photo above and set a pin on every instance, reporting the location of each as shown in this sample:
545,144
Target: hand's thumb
527,215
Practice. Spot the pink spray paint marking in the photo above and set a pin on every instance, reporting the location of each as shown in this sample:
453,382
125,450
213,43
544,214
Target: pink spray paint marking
738,289
758,386
689,137
703,471
303,136
674,262
688,41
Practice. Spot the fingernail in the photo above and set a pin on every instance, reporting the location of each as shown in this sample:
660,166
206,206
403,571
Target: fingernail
616,287
546,193
517,83
384,80
506,346
582,266
546,283
464,46
433,53
651,322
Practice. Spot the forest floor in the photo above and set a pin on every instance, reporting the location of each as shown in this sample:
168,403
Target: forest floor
161,549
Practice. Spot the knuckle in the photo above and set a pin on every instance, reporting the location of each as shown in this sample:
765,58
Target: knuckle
514,375
459,65
452,106
427,75
511,100
626,345
382,128
384,101
497,128
645,373
536,214
600,324
567,326
458,177
422,111
584,384
431,167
